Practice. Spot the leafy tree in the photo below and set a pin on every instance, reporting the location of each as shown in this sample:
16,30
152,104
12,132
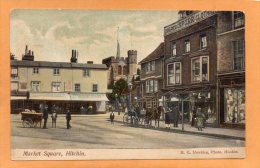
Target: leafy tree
119,88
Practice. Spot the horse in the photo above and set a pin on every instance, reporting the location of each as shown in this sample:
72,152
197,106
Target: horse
154,114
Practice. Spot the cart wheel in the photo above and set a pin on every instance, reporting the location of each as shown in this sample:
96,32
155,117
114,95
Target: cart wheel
126,119
27,123
135,121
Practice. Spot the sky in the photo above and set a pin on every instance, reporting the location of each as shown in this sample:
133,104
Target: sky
52,34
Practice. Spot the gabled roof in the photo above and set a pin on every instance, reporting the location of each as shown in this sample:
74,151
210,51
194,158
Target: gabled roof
156,54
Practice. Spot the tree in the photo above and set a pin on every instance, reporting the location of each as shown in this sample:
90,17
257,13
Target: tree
119,88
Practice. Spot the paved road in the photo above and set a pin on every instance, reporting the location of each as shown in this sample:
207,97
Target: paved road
96,132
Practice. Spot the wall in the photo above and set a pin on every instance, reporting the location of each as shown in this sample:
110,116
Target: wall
46,77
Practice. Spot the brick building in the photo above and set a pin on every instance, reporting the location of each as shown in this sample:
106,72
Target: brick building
191,64
152,77
231,68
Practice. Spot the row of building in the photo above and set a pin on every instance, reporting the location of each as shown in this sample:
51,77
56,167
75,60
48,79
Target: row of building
200,64
81,87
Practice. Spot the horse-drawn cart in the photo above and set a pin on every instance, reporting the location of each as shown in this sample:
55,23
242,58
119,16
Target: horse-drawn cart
135,118
31,119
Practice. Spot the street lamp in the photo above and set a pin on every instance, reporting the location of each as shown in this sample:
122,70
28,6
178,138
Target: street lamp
130,88
116,102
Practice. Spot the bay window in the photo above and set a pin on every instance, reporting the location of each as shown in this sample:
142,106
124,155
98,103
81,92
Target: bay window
174,73
151,86
200,68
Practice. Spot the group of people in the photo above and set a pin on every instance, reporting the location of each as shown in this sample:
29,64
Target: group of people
173,115
44,110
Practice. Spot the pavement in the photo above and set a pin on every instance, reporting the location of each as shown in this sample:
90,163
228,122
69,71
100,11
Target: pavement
238,134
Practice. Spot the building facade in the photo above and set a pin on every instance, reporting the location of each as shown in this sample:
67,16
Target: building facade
231,69
152,78
65,84
191,64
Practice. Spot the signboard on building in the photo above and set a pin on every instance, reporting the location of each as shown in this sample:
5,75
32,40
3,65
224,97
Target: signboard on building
188,21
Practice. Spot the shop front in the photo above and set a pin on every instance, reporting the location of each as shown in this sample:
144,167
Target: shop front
189,102
78,103
234,107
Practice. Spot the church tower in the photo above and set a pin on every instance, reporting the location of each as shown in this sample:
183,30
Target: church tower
132,63
118,46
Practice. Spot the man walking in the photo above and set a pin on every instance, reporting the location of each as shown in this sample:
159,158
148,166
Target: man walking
112,117
68,118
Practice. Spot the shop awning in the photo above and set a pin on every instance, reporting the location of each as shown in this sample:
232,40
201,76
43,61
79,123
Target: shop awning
49,96
18,98
88,97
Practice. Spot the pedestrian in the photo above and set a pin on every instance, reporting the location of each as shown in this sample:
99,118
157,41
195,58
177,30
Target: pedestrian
167,119
200,119
193,116
112,117
68,118
45,117
54,118
176,115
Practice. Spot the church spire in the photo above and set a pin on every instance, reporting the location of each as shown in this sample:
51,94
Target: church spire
118,45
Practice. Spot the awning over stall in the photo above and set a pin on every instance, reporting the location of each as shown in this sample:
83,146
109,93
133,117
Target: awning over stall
88,97
49,96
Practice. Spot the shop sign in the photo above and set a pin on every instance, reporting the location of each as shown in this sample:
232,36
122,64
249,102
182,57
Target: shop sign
188,21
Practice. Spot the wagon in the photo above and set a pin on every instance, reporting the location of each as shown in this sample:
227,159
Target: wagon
135,118
31,119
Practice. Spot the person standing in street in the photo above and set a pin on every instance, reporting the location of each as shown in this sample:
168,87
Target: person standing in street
45,117
176,116
200,119
112,117
68,118
54,118
167,119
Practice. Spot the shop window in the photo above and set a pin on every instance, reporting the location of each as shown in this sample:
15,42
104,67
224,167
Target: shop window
94,88
234,105
239,19
200,69
77,87
174,50
35,70
86,72
35,86
56,71
174,73
239,54
187,46
203,41
56,86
